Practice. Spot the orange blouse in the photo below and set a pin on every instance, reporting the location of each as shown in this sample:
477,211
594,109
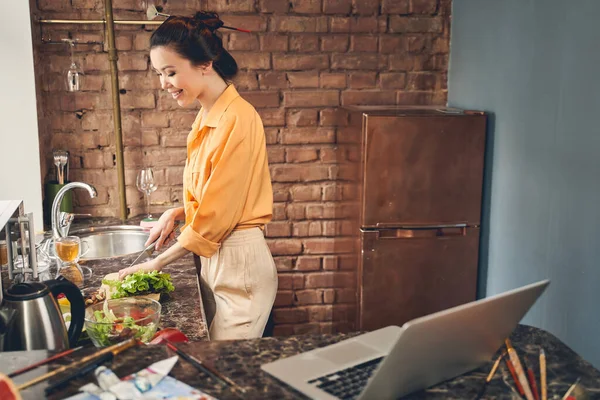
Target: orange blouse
226,181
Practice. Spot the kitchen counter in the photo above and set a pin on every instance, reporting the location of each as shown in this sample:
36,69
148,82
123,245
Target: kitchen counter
241,360
182,307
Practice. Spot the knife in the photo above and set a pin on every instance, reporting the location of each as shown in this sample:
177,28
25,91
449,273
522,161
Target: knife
147,252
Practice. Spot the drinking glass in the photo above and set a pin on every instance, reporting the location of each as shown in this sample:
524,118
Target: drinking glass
146,184
68,249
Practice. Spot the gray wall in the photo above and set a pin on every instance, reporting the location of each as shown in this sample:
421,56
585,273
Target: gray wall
534,64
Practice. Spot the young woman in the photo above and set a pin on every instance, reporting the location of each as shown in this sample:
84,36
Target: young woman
227,190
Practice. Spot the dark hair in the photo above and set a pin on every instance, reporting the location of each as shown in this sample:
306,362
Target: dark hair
195,39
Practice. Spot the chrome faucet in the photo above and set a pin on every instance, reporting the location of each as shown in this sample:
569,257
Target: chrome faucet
61,221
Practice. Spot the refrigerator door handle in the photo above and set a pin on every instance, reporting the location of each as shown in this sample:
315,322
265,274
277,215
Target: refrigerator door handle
421,232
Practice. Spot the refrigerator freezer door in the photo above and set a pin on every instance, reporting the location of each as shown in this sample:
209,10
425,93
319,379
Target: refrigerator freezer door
409,273
422,169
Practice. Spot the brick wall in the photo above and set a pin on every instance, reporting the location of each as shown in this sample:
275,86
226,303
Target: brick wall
304,61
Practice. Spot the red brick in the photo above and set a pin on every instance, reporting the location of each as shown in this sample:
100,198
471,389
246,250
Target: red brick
281,192
368,97
298,24
392,80
272,135
274,42
290,315
275,154
283,330
284,298
304,297
367,25
419,43
304,43
123,42
299,154
395,6
329,279
306,6
306,229
393,44
53,5
94,62
339,24
285,246
320,313
141,40
321,211
334,43
305,329
307,135
331,155
366,43
328,296
232,6
337,6
301,117
138,100
308,263
165,157
311,98
362,80
400,24
423,6
262,99
330,263
309,79
296,211
355,61
441,45
414,98
182,119
402,62
345,296
333,80
249,22
328,245
299,173
291,281
332,192
132,62
272,80
306,193
242,41
273,6
279,213
348,262
333,117
366,7
252,60
278,229
421,81
246,80
293,62
272,116
169,138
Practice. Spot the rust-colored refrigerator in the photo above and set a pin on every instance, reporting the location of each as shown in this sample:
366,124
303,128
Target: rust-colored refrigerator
420,201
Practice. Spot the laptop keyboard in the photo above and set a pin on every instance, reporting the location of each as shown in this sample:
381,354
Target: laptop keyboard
347,383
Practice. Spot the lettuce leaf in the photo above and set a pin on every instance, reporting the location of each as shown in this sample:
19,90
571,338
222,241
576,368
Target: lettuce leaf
140,283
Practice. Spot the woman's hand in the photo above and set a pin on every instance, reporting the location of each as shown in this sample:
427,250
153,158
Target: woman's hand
163,230
147,266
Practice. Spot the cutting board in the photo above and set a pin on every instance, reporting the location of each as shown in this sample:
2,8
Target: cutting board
109,291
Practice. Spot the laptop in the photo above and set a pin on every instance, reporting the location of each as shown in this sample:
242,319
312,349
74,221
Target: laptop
392,362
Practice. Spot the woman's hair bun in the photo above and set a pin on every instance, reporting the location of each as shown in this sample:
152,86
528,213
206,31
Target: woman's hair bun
209,19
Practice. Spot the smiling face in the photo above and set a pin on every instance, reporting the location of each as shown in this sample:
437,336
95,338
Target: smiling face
185,82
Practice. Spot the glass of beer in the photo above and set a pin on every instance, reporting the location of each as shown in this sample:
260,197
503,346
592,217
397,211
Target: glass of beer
68,249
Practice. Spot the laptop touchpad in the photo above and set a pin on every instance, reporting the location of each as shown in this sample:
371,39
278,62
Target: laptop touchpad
346,353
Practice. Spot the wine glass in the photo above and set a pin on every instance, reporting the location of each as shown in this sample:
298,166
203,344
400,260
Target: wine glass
74,73
146,184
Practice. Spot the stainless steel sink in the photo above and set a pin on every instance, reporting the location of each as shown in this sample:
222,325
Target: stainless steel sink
111,241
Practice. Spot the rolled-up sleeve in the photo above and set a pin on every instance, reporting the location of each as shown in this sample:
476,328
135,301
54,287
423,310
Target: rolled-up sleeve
221,198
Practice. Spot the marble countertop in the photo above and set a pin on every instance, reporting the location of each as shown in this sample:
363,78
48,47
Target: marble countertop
240,361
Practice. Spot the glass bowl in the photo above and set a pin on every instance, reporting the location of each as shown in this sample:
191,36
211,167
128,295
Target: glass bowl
115,320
